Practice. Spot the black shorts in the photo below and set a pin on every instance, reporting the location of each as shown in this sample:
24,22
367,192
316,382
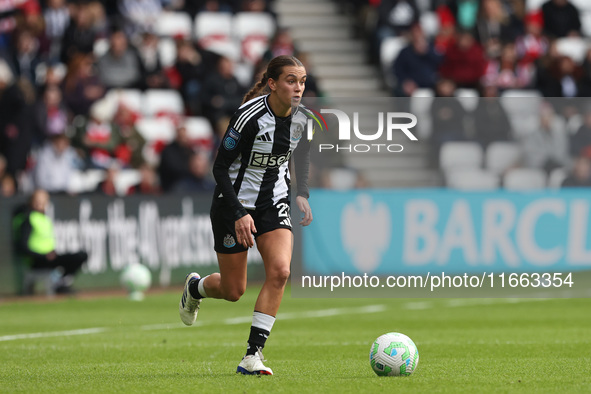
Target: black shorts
265,220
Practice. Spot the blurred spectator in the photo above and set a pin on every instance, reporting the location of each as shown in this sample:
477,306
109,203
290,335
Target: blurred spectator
51,117
120,67
448,117
98,137
80,34
56,162
129,152
533,45
547,147
36,240
281,44
107,187
139,15
26,55
496,27
148,182
7,186
562,79
580,175
15,122
581,141
81,86
416,65
154,77
174,160
189,73
222,93
253,6
465,12
312,88
57,19
490,119
464,61
395,17
585,85
446,35
195,6
198,178
507,72
561,19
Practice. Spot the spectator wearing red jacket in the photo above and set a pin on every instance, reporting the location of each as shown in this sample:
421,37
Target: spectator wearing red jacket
464,61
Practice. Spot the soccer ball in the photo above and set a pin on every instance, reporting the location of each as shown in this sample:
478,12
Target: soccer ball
136,278
393,354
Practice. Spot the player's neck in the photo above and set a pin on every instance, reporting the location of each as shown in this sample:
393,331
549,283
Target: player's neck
277,107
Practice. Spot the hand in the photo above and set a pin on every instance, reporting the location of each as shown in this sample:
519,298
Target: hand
244,231
51,255
304,206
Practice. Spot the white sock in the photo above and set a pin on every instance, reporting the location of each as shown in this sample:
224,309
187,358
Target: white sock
262,321
200,287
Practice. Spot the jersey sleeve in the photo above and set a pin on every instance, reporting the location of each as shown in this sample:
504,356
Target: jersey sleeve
302,166
232,145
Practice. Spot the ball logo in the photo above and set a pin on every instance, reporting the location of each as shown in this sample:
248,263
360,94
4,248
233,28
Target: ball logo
366,232
229,241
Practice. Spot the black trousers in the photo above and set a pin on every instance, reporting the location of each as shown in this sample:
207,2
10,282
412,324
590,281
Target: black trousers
69,262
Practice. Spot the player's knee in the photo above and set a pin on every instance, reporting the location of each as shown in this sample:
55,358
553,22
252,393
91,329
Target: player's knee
279,276
234,295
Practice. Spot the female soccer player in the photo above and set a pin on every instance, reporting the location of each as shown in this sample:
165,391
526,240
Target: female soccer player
252,198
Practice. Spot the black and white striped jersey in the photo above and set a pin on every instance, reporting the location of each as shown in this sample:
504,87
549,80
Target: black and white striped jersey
252,165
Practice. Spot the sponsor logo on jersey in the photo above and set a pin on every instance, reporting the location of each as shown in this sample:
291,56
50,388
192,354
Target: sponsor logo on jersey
231,139
268,160
229,241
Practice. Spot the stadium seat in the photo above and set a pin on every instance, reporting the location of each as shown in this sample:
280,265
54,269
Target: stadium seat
532,5
157,132
501,156
100,47
524,179
167,52
468,98
472,179
556,177
92,178
212,27
163,101
389,50
573,47
254,31
132,98
170,24
156,129
198,128
229,49
460,155
420,106
582,5
126,179
523,110
586,23
429,23
76,182
342,178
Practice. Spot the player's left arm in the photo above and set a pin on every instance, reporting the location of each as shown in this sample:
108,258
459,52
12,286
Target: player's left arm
302,169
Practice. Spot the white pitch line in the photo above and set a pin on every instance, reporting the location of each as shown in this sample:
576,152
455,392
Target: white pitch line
231,321
83,331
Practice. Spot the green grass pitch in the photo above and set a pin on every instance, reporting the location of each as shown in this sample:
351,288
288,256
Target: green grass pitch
110,344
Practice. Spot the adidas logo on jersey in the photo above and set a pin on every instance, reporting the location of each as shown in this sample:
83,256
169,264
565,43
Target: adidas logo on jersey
264,137
286,222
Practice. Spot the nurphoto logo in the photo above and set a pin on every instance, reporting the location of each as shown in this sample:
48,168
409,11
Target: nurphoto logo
394,122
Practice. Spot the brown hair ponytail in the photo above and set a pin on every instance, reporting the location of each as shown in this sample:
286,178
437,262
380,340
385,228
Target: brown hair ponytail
274,70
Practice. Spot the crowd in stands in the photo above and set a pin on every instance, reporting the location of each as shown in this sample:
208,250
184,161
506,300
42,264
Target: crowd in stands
491,48
125,96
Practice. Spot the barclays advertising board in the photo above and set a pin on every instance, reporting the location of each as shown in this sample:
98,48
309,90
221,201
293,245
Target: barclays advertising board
415,231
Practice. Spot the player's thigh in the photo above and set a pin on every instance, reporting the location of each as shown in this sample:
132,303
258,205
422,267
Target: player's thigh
232,270
276,249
